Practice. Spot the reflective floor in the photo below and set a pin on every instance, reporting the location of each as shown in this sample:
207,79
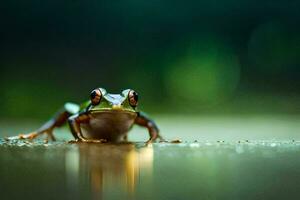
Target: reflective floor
211,169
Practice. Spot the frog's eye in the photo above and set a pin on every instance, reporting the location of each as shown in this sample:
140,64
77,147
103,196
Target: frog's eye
133,98
96,96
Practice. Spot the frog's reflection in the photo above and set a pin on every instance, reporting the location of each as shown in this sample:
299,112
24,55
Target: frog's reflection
108,168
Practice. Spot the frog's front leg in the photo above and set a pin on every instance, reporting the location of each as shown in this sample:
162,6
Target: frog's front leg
74,123
59,119
145,121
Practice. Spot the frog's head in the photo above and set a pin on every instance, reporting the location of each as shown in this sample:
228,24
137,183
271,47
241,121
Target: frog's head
103,101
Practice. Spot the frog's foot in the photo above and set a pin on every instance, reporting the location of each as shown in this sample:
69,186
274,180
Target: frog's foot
23,136
154,139
161,139
33,135
149,143
83,140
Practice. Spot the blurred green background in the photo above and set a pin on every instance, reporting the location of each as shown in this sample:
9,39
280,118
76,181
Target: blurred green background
222,76
196,57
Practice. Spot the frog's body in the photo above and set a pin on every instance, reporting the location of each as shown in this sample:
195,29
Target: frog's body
110,125
106,117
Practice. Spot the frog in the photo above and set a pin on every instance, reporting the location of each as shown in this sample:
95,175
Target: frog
106,117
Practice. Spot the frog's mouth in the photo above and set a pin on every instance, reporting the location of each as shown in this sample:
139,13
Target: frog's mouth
116,111
116,108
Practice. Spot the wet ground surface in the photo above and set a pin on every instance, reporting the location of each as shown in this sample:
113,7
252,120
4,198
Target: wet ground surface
235,167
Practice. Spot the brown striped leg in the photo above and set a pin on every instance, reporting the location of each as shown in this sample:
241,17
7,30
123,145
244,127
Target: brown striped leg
58,120
74,123
145,121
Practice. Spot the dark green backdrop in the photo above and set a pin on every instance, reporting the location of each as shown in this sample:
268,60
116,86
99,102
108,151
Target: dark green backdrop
181,56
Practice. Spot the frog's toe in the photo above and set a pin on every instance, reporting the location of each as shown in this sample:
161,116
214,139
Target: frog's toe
148,143
74,141
96,141
50,135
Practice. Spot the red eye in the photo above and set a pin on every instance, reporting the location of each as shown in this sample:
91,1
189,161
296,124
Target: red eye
133,98
96,96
